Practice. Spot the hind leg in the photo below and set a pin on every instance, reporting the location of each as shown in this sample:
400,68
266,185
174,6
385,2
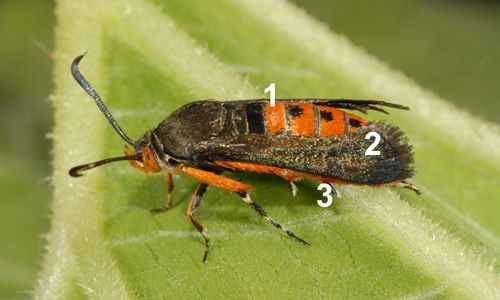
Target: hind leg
245,197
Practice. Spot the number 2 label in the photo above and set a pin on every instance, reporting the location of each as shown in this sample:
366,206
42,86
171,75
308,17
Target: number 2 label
370,150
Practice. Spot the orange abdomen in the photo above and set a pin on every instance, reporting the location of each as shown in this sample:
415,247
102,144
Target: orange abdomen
307,119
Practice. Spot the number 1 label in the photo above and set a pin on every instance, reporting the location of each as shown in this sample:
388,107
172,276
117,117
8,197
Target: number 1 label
272,90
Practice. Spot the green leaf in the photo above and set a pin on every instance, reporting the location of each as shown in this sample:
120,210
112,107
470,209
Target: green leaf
147,58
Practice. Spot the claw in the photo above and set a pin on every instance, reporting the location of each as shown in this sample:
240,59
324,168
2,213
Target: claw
407,185
334,191
293,188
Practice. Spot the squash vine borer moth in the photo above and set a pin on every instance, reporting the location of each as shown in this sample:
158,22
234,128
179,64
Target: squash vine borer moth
295,139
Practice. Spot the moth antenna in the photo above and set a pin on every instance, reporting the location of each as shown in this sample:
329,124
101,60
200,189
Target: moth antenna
93,94
75,171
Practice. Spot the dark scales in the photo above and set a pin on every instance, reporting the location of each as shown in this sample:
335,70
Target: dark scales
326,115
354,123
255,118
294,110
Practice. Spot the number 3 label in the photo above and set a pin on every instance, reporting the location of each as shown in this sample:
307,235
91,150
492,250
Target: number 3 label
327,194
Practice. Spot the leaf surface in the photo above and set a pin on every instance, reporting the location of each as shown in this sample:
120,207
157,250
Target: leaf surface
147,58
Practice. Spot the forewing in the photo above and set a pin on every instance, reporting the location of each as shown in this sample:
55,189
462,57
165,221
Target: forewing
339,157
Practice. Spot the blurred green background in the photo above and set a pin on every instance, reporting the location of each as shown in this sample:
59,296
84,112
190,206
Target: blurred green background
449,47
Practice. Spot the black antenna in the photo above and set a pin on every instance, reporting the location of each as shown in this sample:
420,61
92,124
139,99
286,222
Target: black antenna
75,171
93,94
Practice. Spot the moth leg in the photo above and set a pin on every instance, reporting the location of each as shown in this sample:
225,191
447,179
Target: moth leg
239,188
409,186
405,185
169,181
293,188
245,197
212,178
334,190
191,209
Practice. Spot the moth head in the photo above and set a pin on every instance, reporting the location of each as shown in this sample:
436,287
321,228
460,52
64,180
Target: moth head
143,157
